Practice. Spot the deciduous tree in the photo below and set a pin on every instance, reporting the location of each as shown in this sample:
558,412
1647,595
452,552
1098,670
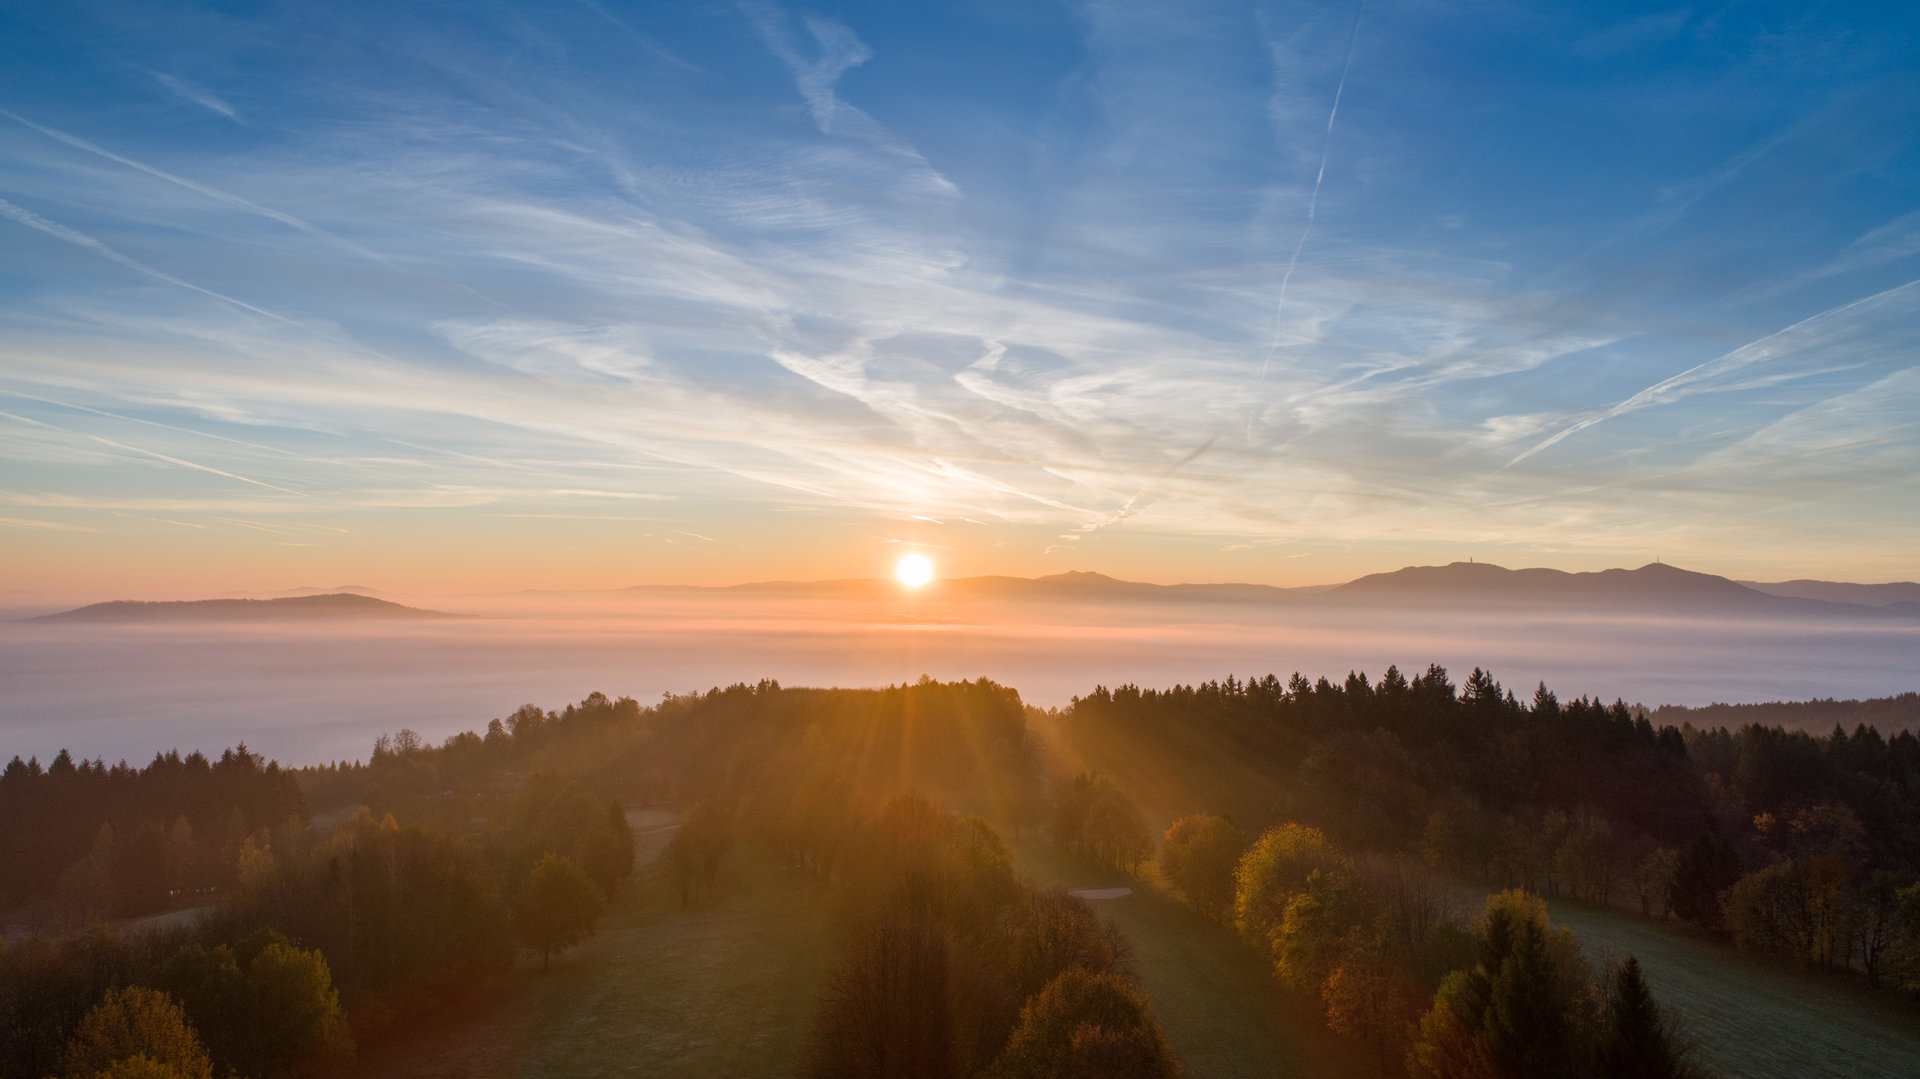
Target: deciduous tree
560,907
1198,856
135,1031
1087,1025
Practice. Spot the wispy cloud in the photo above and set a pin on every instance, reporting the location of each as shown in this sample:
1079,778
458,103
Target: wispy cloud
198,188
81,239
1826,335
773,264
199,96
836,50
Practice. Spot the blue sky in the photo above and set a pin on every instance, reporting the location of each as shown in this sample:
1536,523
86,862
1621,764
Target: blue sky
572,293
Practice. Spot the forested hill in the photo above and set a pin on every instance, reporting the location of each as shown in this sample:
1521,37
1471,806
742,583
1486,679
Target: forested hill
337,605
1886,714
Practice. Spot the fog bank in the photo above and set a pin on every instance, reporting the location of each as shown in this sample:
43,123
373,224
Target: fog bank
309,692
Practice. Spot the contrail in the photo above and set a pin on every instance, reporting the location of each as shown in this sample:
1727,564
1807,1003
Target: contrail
81,239
1313,202
249,205
286,219
1675,387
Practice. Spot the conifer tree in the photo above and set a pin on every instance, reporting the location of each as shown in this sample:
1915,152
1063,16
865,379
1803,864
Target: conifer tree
1637,1042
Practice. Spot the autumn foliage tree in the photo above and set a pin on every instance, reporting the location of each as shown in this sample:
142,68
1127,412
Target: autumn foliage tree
1370,996
1198,855
1275,869
1087,1025
135,1031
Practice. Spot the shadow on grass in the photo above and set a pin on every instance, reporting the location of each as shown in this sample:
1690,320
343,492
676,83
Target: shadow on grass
1749,1016
723,989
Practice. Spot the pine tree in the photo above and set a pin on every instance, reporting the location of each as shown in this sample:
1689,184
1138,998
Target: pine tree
1636,1042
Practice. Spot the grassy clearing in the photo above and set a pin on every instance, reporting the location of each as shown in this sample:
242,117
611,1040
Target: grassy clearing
1749,1017
726,989
1223,1012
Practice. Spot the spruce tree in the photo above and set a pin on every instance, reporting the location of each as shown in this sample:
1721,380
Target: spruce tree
1636,1043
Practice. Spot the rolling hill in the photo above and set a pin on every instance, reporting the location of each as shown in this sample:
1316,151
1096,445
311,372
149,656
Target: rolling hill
336,606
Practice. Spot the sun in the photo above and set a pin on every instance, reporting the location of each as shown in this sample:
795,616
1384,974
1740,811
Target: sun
913,570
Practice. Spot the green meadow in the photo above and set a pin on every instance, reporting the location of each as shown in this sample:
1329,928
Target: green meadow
1750,1017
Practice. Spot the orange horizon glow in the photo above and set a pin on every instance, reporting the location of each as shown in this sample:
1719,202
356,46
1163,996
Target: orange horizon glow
438,556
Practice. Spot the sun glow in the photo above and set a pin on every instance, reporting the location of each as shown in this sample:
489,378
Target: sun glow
913,570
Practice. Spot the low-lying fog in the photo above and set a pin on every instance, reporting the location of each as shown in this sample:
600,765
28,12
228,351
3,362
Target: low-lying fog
306,693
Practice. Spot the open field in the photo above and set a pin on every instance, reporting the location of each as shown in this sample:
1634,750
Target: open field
1223,1012
728,989
721,990
1750,1017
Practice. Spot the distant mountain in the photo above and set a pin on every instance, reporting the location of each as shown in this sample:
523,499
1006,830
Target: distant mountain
1869,595
336,606
1653,587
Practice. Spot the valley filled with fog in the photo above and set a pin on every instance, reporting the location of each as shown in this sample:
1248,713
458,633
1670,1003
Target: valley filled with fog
309,692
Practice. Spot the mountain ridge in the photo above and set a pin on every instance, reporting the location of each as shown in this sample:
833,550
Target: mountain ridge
1655,587
332,606
1652,588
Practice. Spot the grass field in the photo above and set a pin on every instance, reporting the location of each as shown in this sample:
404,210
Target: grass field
726,989
1751,1018
1223,1012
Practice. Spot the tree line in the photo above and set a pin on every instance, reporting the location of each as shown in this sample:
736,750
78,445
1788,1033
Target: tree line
1377,948
85,841
413,877
308,934
419,872
1802,845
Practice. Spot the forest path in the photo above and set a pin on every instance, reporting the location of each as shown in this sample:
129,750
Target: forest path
1223,1012
1750,1018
